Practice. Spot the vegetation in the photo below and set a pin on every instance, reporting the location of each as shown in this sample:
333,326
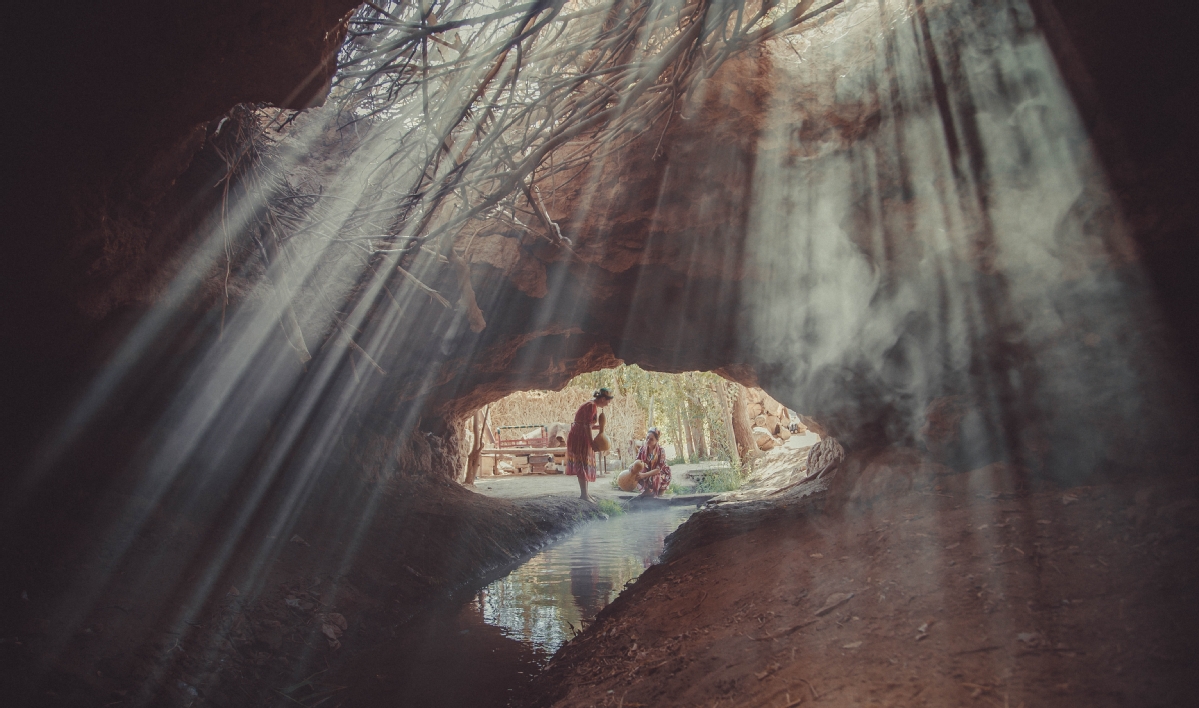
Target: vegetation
687,408
490,108
724,480
448,118
611,507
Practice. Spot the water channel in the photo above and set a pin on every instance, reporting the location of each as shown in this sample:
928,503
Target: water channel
484,651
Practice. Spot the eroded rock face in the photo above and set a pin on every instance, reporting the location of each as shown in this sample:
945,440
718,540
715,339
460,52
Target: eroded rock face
893,220
899,208
105,188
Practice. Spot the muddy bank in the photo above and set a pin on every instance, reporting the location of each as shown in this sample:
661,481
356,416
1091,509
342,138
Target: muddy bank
285,608
957,590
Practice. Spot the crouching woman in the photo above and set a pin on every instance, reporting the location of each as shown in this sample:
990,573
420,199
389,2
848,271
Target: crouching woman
653,474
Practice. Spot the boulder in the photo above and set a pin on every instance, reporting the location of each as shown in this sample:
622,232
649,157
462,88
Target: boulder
807,424
772,424
824,457
764,439
771,406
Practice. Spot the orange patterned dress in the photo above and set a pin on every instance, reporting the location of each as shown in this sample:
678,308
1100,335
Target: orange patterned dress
580,458
655,460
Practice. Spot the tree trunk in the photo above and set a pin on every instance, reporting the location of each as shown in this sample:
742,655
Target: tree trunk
720,391
690,430
476,448
488,433
742,430
682,436
700,441
696,425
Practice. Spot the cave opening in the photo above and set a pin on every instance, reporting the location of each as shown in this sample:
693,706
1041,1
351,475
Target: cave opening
279,287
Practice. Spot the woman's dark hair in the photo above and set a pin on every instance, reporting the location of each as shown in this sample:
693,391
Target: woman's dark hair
602,392
655,432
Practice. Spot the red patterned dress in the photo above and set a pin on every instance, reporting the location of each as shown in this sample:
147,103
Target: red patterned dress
580,458
654,461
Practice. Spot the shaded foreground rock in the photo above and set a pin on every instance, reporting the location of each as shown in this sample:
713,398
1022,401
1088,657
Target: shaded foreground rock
936,594
279,612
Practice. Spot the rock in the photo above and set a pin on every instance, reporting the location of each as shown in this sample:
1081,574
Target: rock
763,438
824,457
755,410
807,424
772,424
760,421
784,434
771,406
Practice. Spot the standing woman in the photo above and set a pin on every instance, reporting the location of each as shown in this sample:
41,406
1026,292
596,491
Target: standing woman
580,457
656,478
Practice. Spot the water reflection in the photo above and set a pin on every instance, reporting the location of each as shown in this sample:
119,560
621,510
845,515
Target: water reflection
545,600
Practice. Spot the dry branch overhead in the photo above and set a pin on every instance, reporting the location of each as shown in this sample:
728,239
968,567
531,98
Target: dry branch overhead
459,112
466,299
489,94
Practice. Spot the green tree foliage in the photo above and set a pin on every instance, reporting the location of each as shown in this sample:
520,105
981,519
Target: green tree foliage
677,404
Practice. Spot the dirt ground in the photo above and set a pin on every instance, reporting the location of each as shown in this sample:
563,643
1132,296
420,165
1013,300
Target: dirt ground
526,486
962,589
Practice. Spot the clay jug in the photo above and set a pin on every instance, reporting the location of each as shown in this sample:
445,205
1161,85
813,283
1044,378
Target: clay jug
600,442
627,481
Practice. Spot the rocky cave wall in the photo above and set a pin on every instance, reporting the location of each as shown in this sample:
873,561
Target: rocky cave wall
677,268
113,103
910,233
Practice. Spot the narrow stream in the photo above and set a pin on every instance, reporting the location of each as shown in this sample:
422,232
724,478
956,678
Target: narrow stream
483,652
543,602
